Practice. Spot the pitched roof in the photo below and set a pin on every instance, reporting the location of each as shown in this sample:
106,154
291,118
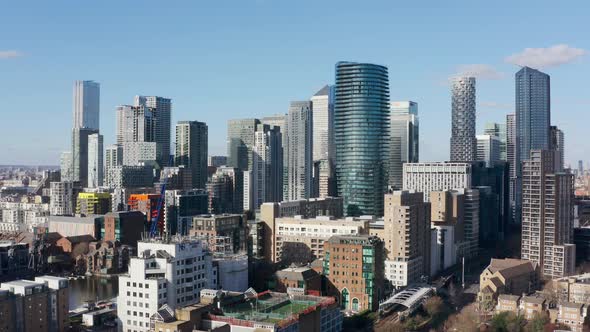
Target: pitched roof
296,273
508,297
323,91
510,267
80,238
534,299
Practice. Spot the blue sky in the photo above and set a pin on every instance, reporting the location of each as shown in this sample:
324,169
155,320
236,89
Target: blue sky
222,59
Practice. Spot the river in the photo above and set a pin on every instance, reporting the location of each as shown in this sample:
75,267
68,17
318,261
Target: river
92,288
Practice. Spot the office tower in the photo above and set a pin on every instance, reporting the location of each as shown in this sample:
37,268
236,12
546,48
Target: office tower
580,168
488,149
267,166
62,198
240,139
323,141
299,151
95,161
533,111
406,237
556,143
65,166
497,179
162,114
463,141
499,130
168,272
192,150
323,123
547,215
471,221
359,286
86,105
80,154
216,161
248,201
404,139
361,135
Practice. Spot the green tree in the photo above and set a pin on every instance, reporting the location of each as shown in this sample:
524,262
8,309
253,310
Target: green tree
537,323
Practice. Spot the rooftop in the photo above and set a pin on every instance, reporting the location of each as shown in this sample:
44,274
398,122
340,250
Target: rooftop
508,297
75,219
296,273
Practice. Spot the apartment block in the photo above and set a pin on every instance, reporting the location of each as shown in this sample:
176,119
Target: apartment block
221,229
93,203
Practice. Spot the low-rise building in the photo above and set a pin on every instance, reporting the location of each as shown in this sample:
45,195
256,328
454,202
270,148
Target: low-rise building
574,316
573,288
271,312
185,319
508,302
75,245
124,227
107,257
507,276
354,268
76,225
533,305
303,280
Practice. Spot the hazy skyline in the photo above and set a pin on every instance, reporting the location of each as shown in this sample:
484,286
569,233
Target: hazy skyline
243,59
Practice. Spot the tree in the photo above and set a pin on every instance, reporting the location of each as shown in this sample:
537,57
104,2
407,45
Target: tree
507,322
464,321
433,306
537,323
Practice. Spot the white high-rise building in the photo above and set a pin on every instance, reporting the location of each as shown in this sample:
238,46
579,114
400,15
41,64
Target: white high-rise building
113,156
162,114
86,105
404,139
299,150
95,161
62,198
463,141
323,123
488,149
171,272
66,166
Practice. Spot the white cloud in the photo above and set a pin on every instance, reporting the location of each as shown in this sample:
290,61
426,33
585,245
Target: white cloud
481,71
546,57
10,54
495,105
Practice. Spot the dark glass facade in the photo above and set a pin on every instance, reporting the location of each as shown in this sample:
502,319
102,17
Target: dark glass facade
361,135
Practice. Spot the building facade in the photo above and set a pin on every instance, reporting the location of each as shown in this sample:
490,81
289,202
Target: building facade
405,136
162,113
361,135
240,140
463,141
192,150
299,151
80,166
488,149
86,105
95,161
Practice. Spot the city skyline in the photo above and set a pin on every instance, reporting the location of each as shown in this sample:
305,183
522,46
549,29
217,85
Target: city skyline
201,94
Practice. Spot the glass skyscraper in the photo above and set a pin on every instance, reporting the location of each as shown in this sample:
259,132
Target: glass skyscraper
404,139
361,135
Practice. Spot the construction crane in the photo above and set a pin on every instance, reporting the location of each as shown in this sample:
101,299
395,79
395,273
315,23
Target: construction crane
155,224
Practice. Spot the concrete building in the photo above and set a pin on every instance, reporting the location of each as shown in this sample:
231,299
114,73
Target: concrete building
192,150
353,266
230,271
511,158
93,203
62,198
185,319
574,288
311,208
507,276
35,306
216,161
66,166
80,140
113,156
404,139
427,177
499,130
170,272
299,151
95,161
547,215
406,237
140,153
177,178
488,149
557,143
301,240
214,227
463,140
162,113
86,101
17,216
361,132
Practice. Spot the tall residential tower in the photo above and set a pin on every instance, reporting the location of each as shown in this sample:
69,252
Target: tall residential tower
463,141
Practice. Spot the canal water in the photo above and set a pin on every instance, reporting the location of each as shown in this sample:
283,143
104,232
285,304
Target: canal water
92,289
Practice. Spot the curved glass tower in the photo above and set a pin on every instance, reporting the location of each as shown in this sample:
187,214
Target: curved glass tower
361,135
